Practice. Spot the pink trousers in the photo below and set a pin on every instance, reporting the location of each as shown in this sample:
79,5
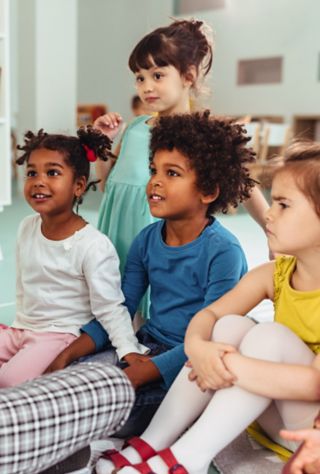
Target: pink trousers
26,354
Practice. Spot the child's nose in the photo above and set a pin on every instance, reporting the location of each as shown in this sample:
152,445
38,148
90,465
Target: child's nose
148,85
39,180
268,215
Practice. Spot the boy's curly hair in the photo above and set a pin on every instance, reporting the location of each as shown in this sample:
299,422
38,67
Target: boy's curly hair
217,151
73,149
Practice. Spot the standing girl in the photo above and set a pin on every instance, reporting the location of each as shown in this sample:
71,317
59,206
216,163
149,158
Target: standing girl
170,65
242,371
66,269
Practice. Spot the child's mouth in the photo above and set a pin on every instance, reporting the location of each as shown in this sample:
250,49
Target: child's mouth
156,197
40,196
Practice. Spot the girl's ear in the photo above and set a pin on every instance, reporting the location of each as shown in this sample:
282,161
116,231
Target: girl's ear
80,186
191,76
209,198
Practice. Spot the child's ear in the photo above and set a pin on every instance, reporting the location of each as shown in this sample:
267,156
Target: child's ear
80,186
190,76
209,198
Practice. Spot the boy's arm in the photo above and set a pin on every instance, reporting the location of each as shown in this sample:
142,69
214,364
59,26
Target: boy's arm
257,206
165,367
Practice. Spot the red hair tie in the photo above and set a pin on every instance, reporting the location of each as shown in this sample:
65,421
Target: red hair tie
90,153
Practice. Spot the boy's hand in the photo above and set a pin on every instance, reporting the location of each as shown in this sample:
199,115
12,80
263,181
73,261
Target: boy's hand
142,371
208,368
109,124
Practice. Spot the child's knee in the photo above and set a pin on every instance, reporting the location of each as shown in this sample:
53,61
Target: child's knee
265,341
231,329
11,378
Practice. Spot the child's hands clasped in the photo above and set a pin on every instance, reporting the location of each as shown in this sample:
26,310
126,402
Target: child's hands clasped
208,368
109,124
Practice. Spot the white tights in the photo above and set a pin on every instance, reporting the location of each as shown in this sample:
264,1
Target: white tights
218,417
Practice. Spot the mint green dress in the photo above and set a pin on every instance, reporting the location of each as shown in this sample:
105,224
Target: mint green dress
124,209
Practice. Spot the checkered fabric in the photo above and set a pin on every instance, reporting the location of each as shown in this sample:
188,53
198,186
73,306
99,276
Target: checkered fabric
45,420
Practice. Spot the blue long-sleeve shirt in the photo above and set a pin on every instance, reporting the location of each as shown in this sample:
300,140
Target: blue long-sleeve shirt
182,281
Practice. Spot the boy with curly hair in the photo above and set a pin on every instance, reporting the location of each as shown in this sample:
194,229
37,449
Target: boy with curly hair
198,166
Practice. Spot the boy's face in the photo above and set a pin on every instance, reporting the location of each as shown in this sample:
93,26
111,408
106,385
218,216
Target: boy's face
172,190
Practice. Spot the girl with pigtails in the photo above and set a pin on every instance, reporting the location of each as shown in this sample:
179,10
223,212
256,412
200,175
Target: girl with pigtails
66,269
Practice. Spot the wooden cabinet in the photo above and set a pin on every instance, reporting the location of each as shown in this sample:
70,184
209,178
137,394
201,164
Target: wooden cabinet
5,140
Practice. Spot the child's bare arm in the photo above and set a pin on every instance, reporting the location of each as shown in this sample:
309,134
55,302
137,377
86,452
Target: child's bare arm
275,380
206,356
257,206
80,347
110,124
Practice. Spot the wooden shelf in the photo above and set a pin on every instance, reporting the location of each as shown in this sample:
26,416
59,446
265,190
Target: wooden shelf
307,126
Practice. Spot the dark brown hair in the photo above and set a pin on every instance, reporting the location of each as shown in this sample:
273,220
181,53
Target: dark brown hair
302,160
216,149
182,44
72,148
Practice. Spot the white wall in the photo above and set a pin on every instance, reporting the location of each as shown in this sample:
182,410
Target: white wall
45,65
108,31
249,29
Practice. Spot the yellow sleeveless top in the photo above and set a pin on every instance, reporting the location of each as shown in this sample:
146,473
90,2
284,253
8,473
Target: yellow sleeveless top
298,310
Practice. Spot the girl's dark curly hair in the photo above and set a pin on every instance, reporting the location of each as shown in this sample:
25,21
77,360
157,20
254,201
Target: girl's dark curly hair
182,44
74,149
217,151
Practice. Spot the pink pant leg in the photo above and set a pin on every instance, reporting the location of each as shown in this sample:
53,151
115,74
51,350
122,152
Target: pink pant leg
37,350
10,342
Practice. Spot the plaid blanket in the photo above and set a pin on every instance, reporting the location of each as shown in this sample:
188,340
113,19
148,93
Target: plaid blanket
45,420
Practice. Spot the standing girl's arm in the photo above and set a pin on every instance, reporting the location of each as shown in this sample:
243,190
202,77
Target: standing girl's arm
257,206
206,356
109,124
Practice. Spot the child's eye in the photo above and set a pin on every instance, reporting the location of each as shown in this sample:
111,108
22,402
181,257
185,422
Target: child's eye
283,205
157,75
152,171
53,172
139,78
30,174
172,173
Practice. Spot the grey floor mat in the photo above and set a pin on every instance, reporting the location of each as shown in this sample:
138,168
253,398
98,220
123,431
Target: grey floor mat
246,456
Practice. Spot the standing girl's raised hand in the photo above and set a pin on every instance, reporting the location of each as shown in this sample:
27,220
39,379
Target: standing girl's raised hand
109,124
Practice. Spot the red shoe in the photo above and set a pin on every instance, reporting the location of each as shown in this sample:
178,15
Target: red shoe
174,466
142,447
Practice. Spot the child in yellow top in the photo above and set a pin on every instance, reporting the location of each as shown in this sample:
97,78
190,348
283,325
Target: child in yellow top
240,371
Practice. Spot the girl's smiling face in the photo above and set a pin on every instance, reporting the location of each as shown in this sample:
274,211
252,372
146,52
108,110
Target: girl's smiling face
293,226
50,187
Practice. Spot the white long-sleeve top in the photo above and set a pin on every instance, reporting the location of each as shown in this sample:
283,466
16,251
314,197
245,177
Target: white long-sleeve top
63,284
